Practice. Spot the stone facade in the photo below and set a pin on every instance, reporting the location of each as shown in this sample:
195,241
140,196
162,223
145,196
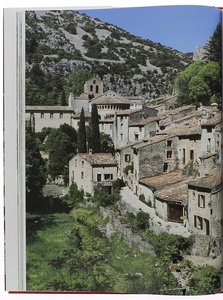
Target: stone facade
49,116
88,170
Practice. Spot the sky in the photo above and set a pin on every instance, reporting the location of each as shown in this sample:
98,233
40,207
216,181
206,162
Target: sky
181,27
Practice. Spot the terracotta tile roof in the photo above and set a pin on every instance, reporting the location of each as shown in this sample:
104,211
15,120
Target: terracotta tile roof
126,112
160,136
48,108
208,155
175,111
211,122
208,182
99,158
175,192
163,180
184,130
182,119
110,100
144,121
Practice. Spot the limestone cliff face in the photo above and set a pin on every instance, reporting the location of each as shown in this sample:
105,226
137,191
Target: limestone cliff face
63,42
199,53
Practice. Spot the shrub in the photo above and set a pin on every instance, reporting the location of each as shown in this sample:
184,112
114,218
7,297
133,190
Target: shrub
205,281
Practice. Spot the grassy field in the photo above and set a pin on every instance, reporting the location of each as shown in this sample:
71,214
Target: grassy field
46,238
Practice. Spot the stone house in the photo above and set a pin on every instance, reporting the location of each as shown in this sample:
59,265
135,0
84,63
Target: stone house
167,193
49,116
89,170
204,205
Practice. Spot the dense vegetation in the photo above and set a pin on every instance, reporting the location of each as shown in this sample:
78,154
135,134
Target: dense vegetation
67,250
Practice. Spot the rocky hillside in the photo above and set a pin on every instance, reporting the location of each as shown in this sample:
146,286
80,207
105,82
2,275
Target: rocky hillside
59,43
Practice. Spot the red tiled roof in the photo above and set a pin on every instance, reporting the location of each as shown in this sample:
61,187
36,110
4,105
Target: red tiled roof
160,181
99,158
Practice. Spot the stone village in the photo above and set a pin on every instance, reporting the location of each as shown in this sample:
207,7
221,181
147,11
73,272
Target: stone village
170,156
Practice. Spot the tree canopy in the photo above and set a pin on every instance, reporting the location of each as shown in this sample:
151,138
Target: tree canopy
199,83
35,170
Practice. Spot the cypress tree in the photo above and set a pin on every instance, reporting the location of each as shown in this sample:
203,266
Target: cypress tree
63,99
82,141
95,130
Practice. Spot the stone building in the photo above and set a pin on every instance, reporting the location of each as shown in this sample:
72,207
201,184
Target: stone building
108,103
204,205
89,170
49,116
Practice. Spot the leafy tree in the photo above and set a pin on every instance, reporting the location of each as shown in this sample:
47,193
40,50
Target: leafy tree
199,83
205,281
106,143
95,130
35,170
74,83
82,143
61,146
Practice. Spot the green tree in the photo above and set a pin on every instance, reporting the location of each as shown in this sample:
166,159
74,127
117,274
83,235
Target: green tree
82,142
61,146
63,98
106,143
35,170
95,130
74,83
199,83
213,45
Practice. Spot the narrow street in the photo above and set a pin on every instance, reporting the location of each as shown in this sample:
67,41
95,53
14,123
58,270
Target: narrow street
131,200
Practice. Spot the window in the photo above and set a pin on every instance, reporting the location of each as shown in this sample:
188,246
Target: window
121,137
61,115
198,222
169,154
108,176
121,125
102,126
98,177
96,89
42,115
136,137
201,201
31,115
209,129
82,163
51,115
121,119
169,143
184,156
110,127
75,162
91,88
209,145
191,154
82,175
193,195
94,81
165,167
127,157
140,129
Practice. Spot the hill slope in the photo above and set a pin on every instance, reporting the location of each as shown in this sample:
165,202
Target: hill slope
59,43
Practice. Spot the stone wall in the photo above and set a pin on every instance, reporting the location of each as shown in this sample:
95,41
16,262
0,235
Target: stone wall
115,227
206,246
